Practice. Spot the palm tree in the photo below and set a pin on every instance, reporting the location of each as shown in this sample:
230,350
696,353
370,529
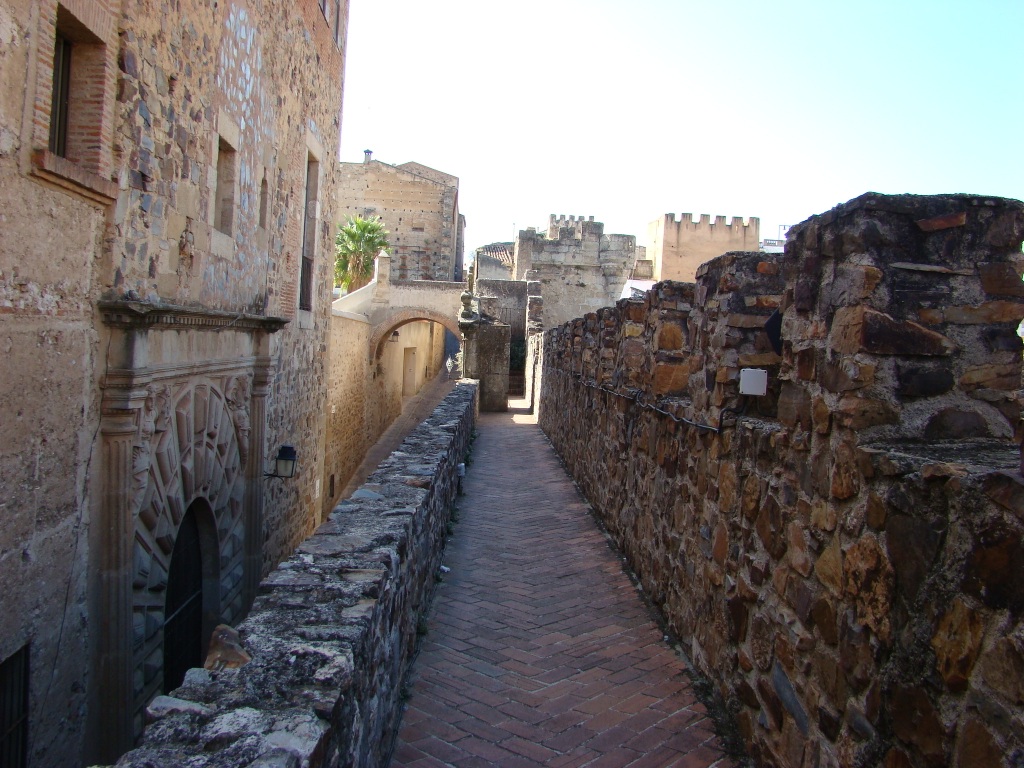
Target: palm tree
356,246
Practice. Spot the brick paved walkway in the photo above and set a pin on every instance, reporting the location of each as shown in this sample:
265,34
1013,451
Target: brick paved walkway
539,650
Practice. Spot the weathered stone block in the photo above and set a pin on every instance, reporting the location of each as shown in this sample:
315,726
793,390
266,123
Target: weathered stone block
671,378
861,412
869,583
956,424
769,526
860,329
987,312
670,336
823,616
797,551
794,405
1003,668
1001,278
1007,490
977,746
916,722
992,376
844,374
994,566
829,566
783,688
913,544
956,642
924,381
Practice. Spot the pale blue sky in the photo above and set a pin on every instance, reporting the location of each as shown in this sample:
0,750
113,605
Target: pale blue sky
628,110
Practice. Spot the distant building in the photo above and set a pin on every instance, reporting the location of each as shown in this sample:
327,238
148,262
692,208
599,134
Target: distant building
777,245
677,248
579,268
494,262
420,209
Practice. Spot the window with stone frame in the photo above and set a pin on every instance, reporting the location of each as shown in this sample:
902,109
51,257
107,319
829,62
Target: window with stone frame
227,177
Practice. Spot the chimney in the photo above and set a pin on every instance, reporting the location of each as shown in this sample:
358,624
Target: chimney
367,155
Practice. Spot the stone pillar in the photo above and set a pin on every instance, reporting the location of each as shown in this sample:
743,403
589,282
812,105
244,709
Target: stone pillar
382,287
253,509
113,536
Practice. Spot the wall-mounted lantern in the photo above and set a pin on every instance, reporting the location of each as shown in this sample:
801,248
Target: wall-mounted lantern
284,464
394,337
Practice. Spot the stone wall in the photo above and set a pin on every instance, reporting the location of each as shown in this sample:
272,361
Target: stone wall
146,277
579,268
365,397
843,555
504,301
678,248
420,208
486,355
333,629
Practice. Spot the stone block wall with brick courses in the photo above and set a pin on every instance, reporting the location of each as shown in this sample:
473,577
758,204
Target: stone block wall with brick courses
844,556
334,627
420,209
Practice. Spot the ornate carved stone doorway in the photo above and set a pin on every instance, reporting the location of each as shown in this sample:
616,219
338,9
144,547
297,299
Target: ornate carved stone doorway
179,532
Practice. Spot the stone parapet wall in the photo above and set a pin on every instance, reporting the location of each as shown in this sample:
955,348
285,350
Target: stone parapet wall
843,555
333,628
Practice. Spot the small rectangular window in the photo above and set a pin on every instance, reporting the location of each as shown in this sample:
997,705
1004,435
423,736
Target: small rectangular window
227,171
61,101
14,710
309,233
264,201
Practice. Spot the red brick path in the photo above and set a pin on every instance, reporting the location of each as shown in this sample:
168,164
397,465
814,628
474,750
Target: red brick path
539,650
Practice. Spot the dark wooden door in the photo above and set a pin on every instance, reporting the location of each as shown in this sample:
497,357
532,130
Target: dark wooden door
183,623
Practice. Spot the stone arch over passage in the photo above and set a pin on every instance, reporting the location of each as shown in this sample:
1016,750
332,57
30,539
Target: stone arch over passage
383,330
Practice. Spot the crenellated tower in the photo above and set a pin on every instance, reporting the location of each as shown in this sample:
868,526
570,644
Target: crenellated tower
679,247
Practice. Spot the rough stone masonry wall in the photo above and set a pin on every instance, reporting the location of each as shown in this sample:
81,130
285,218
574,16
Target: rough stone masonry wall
578,267
845,561
333,628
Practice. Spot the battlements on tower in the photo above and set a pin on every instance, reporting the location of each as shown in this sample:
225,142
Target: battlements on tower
679,246
704,221
575,227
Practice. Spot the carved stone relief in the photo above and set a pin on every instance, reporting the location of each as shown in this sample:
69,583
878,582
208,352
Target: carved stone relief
191,440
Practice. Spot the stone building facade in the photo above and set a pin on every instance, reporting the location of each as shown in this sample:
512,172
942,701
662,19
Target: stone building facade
678,248
420,208
165,267
841,555
578,267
